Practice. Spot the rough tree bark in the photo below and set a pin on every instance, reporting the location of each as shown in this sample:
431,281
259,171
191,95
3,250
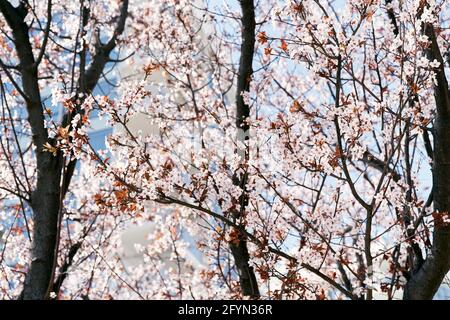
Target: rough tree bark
239,248
46,197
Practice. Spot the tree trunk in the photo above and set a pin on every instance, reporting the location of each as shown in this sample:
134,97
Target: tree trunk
45,203
424,283
46,198
239,248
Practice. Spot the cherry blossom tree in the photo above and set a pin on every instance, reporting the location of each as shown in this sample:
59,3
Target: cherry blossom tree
298,148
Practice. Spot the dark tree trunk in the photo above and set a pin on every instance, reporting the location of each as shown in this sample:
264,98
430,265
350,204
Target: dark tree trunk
47,196
424,283
45,203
